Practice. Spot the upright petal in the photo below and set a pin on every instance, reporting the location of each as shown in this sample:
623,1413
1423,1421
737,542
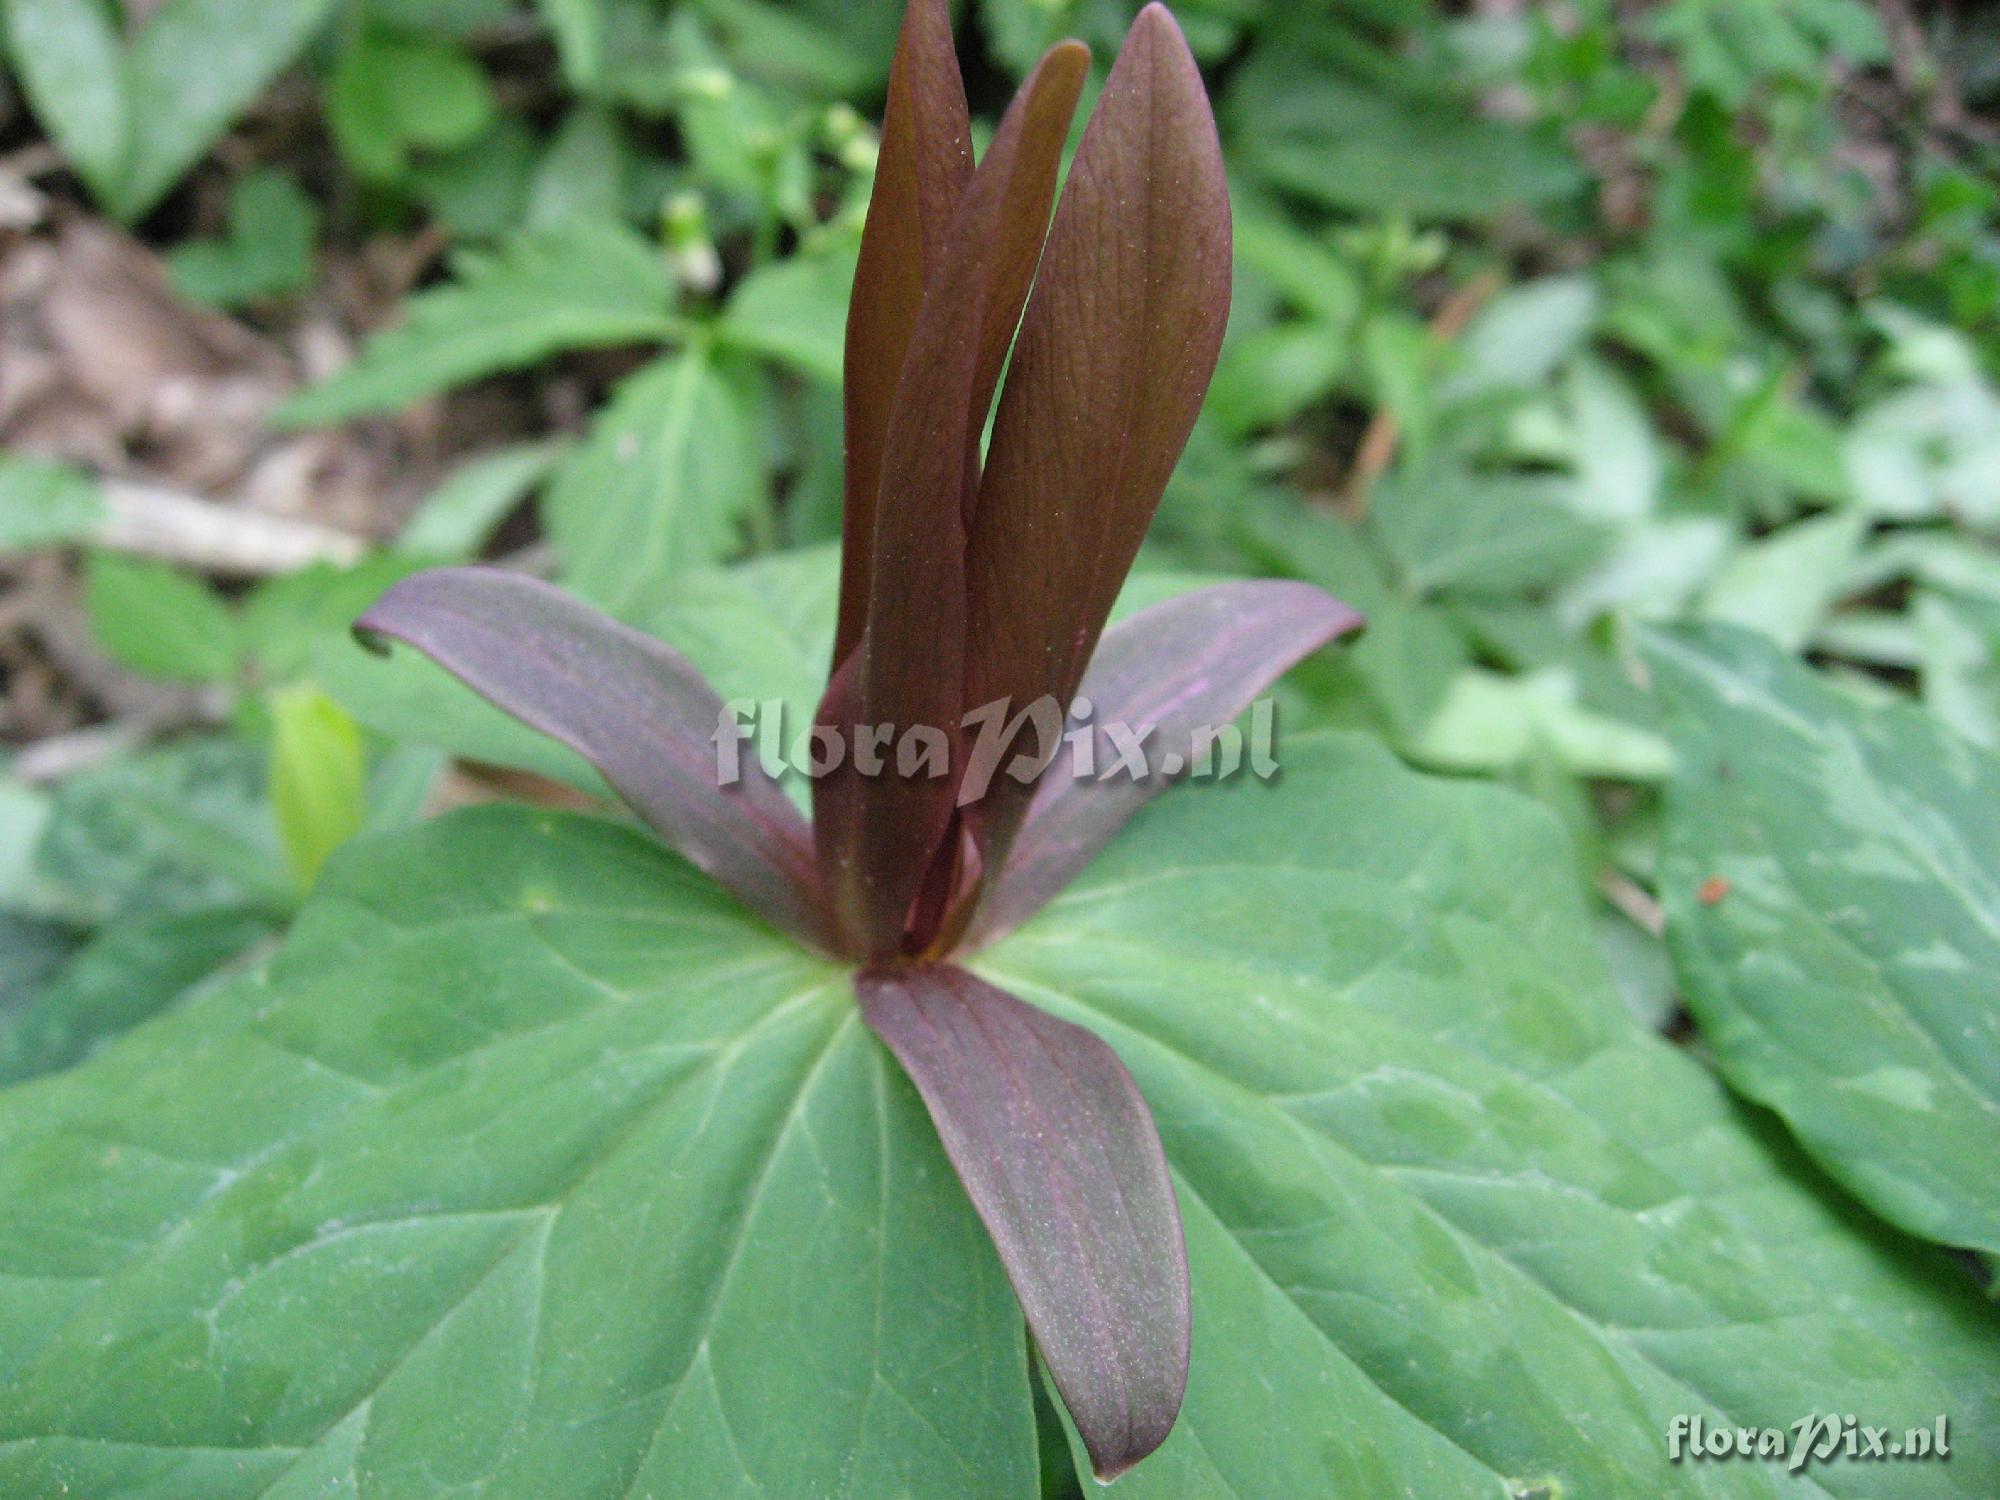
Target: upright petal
1115,353
1169,675
1061,1159
920,175
878,835
634,708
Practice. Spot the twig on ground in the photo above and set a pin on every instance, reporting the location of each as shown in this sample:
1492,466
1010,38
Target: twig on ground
63,755
179,528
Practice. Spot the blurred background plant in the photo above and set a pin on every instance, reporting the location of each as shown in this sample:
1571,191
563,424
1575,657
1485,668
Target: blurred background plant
1550,317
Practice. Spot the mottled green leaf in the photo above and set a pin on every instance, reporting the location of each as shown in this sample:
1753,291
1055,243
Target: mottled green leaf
544,1171
1442,1196
180,828
24,816
1831,874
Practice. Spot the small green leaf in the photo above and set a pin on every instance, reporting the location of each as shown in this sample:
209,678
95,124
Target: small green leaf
585,172
1619,464
578,26
267,250
1268,377
1310,129
582,286
481,192
795,311
70,63
160,622
1651,572
1302,268
391,95
1960,666
1494,723
455,519
662,484
193,67
457,18
834,48
285,618
1786,583
1831,874
1520,338
318,778
43,503
1456,532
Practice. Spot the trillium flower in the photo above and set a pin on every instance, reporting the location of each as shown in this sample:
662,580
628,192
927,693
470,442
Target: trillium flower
970,580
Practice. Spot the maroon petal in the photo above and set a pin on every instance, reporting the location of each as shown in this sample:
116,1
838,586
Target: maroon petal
879,835
920,175
1168,674
635,709
1115,353
1060,1157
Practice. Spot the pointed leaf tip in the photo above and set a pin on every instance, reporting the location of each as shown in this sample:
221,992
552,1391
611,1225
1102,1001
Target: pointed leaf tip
632,706
920,176
1060,1157
1114,357
1175,674
879,835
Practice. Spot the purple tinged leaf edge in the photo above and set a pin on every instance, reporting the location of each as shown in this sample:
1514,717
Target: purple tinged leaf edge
1058,1152
1174,670
1114,356
632,706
